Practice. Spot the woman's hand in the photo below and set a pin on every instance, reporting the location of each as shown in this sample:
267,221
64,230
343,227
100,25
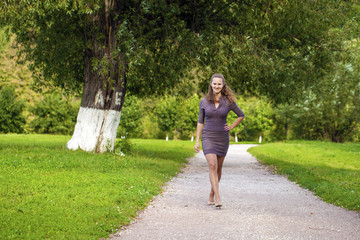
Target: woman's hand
232,126
226,127
197,147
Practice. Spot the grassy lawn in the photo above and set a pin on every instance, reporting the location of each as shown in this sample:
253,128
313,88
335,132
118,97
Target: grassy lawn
47,191
330,170
244,142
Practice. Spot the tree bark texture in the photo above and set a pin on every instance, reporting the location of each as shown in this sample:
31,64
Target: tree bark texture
104,87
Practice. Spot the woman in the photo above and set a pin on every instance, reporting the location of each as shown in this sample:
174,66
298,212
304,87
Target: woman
214,108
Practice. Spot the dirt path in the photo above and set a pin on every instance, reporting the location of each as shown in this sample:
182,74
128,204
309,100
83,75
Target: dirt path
256,205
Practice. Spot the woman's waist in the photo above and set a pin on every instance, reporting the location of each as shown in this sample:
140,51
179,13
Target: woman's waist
214,129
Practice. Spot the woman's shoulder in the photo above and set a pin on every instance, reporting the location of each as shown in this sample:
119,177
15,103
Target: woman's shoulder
203,101
226,100
203,98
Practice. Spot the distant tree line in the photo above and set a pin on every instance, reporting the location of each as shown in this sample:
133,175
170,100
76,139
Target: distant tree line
311,119
335,119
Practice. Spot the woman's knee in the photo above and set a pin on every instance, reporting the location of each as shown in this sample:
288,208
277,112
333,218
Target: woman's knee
213,166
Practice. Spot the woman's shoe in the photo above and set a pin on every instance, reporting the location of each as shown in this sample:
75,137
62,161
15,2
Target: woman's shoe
218,205
211,203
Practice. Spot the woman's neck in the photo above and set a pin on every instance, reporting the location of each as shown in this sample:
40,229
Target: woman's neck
217,97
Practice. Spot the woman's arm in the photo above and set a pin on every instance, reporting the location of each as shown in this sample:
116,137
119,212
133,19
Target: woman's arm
235,108
199,129
234,124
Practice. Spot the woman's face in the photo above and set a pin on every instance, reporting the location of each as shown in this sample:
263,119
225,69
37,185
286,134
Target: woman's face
217,85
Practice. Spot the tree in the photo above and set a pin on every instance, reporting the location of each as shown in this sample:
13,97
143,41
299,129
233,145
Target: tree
284,116
106,47
11,110
330,108
282,47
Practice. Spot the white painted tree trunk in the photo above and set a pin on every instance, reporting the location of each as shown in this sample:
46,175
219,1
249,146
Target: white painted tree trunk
104,85
95,130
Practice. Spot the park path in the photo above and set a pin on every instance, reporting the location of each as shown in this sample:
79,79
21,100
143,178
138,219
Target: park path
256,205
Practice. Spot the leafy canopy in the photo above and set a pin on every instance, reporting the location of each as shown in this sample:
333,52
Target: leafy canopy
274,48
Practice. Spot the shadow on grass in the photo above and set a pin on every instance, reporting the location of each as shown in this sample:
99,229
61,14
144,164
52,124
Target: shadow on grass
337,186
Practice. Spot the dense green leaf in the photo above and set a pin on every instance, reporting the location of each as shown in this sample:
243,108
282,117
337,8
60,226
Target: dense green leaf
54,115
11,111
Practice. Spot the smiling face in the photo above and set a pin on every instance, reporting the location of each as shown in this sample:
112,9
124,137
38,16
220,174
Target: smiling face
217,85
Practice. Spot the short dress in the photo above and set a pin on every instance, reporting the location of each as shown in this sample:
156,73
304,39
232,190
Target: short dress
215,139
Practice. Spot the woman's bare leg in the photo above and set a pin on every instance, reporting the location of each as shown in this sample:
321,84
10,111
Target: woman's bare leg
220,161
213,166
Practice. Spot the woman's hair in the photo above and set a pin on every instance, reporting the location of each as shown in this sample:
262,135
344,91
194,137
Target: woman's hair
225,91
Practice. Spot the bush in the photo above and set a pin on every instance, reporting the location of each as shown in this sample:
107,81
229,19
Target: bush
3,40
131,114
11,109
186,122
166,113
257,122
123,146
54,115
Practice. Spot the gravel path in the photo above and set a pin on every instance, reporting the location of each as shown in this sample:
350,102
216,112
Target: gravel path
256,205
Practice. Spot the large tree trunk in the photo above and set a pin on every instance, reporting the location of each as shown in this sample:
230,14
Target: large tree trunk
104,88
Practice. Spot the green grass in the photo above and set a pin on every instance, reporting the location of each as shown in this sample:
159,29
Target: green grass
330,170
245,142
49,192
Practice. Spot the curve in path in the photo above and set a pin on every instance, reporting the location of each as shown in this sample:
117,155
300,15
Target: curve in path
256,205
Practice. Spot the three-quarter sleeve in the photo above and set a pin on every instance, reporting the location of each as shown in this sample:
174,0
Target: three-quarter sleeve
235,108
201,111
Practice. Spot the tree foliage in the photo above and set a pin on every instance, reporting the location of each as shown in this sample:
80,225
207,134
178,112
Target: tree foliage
258,119
131,115
3,40
275,48
11,111
54,115
188,111
166,112
281,48
330,109
298,50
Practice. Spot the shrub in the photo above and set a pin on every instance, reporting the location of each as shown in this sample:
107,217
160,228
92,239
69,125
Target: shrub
53,115
11,109
166,113
123,146
131,114
186,122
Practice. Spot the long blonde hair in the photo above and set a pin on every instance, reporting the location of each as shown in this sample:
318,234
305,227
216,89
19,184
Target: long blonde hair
225,91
